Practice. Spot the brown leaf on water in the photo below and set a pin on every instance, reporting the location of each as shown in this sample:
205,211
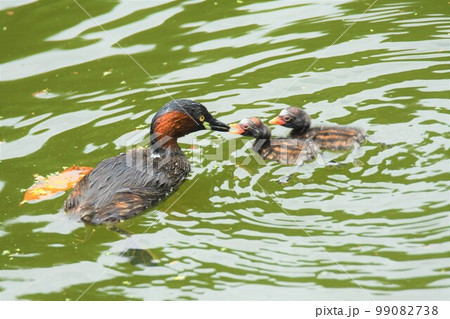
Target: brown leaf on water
52,185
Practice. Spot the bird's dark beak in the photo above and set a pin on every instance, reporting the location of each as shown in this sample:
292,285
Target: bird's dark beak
216,125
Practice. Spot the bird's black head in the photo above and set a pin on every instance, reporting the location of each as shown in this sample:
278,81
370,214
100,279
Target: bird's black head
293,117
180,117
251,127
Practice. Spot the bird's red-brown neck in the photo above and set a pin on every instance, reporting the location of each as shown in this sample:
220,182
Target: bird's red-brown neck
169,127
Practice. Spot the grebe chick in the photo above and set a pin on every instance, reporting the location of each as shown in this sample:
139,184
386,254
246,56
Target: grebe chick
333,138
289,151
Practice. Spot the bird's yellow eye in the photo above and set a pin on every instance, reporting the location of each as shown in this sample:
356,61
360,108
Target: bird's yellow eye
201,118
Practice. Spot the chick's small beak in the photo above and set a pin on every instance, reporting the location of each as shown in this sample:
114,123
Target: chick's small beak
236,129
277,121
216,125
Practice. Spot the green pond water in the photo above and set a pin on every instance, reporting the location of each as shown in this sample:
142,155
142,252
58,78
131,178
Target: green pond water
372,228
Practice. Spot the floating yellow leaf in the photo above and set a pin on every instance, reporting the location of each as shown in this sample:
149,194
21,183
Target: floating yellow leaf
54,184
179,277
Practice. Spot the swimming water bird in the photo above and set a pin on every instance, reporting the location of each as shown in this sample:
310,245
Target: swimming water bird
121,187
289,151
333,138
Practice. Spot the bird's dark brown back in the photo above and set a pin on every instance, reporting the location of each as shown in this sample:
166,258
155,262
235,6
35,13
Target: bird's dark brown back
121,187
290,151
332,137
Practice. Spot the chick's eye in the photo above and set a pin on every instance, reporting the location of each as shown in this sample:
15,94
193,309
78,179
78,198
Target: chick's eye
201,118
245,126
286,118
